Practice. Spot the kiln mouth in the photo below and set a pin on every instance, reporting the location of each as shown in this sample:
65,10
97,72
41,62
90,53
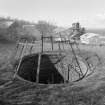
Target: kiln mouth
48,73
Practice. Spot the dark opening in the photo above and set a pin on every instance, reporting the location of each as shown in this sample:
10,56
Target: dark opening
48,72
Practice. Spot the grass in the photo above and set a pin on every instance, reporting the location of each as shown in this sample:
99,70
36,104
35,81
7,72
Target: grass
7,53
89,91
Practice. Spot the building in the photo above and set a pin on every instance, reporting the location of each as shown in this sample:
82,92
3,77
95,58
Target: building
77,31
92,38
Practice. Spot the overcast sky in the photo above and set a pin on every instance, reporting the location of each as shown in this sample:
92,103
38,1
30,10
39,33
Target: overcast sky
90,13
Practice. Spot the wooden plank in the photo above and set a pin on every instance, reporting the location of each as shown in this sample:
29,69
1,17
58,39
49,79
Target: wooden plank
75,57
25,44
21,56
52,42
38,68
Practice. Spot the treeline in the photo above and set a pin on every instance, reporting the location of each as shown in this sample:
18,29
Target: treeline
14,30
23,30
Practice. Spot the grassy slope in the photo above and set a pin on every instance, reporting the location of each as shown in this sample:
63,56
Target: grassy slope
7,52
90,91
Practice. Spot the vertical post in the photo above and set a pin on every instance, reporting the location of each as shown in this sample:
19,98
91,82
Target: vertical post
42,41
62,42
59,46
68,73
38,68
52,42
63,45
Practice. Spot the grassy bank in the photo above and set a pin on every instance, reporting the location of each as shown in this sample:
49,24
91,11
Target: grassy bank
89,91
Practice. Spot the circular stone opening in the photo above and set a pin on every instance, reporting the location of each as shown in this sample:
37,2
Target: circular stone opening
48,73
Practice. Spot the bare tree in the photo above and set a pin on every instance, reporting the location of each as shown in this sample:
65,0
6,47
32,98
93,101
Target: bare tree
45,28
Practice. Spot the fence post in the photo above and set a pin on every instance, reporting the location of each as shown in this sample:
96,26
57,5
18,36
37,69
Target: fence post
42,42
52,42
59,45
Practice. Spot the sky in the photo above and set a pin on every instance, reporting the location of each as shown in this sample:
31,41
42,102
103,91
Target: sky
90,13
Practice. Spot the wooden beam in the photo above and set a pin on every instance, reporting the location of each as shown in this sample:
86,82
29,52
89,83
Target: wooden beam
21,56
38,67
52,42
42,42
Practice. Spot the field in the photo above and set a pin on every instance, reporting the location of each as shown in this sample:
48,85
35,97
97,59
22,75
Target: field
89,91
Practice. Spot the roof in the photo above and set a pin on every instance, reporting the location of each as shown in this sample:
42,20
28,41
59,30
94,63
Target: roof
89,35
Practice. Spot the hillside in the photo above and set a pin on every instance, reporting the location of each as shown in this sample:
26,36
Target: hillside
89,91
